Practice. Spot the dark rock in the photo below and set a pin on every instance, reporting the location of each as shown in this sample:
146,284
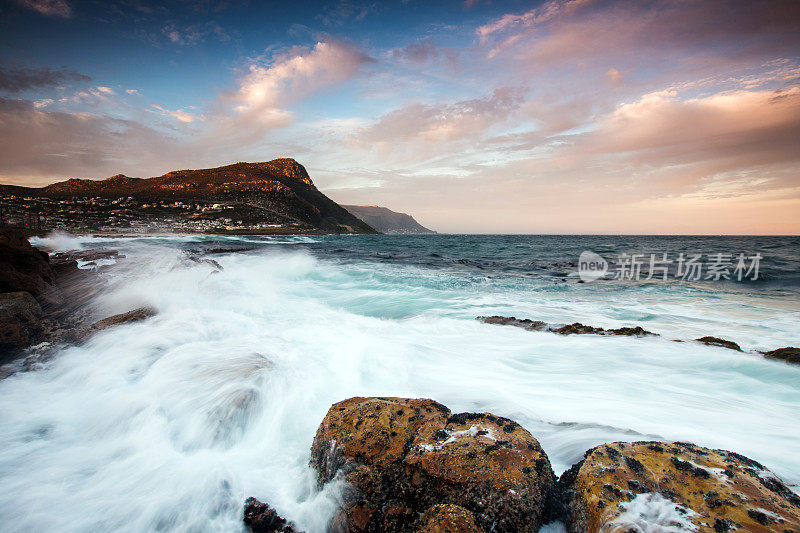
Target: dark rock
20,320
125,318
261,518
409,455
637,331
789,354
55,310
722,343
23,267
524,323
575,328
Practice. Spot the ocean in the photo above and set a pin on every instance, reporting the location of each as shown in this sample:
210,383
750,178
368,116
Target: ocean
169,424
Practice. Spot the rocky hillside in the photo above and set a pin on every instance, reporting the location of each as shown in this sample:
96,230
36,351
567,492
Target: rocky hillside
278,191
387,221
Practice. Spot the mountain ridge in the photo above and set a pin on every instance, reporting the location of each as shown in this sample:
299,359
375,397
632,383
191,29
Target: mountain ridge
278,192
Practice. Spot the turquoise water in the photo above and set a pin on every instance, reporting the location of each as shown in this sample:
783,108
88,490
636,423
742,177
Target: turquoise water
171,423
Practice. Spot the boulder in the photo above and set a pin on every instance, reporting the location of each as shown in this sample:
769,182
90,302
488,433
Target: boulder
20,320
654,486
402,457
23,267
261,518
125,318
722,343
789,354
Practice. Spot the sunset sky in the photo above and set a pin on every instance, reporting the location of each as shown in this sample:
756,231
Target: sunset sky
565,116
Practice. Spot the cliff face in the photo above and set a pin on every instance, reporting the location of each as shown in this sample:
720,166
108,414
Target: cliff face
387,221
281,189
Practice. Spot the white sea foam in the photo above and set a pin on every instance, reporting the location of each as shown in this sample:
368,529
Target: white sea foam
58,242
652,513
169,424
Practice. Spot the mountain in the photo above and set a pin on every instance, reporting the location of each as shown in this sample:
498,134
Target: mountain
387,221
277,193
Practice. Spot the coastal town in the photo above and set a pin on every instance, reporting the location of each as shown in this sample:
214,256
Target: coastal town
132,215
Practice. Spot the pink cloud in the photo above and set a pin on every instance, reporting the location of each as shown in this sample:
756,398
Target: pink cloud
49,8
443,122
268,88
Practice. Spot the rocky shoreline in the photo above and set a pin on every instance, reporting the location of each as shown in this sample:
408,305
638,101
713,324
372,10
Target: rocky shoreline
410,465
44,301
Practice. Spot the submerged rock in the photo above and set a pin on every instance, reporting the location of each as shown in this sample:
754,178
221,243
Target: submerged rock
654,486
261,518
576,328
125,318
722,343
402,457
790,354
525,323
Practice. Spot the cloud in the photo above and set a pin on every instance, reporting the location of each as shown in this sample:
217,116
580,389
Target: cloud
561,31
268,88
443,122
726,132
194,34
47,145
544,13
49,8
93,96
614,76
179,115
469,4
23,79
344,10
424,51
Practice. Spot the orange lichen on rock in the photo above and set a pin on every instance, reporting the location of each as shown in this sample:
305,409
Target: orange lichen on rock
695,488
373,431
447,518
401,457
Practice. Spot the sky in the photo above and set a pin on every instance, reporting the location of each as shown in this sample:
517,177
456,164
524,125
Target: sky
474,116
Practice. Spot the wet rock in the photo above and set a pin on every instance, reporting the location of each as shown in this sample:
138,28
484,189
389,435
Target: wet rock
789,354
447,518
654,486
86,255
575,328
722,343
125,318
524,323
20,320
403,456
637,331
373,432
487,464
261,518
23,267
